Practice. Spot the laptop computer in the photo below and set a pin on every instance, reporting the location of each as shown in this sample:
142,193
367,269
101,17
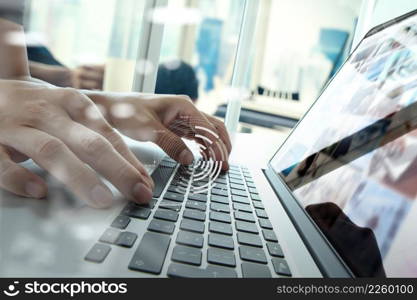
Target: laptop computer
336,200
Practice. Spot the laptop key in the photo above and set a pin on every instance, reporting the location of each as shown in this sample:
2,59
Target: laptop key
221,257
160,177
236,181
195,205
281,266
252,270
194,215
237,186
220,186
161,226
242,207
198,197
244,216
150,254
269,235
251,184
120,222
219,192
219,199
175,206
192,225
220,217
234,171
151,204
253,191
274,249
165,214
235,176
136,211
252,254
239,193
98,253
218,227
258,204
126,239
221,181
220,207
175,189
109,236
265,223
190,239
249,239
187,271
261,213
186,255
174,196
221,241
240,199
255,197
246,227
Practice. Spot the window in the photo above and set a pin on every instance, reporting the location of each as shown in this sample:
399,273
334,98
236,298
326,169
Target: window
298,45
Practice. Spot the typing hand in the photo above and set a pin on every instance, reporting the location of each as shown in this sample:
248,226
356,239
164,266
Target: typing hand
89,77
64,133
164,120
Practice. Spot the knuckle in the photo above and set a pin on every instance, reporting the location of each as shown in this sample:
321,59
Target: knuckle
36,111
94,145
72,93
114,138
49,147
39,113
185,99
9,171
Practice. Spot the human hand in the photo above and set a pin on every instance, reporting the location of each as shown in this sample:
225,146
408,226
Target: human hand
89,77
164,120
49,125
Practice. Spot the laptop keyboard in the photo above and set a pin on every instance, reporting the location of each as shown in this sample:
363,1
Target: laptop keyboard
229,217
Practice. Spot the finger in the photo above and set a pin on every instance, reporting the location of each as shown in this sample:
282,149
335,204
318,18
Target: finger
18,180
222,131
207,132
101,126
173,145
96,68
117,142
91,73
54,156
98,152
89,84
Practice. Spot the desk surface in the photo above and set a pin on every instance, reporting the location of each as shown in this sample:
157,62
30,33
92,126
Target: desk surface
255,150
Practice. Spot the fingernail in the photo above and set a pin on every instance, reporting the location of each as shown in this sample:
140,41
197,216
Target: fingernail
101,196
142,193
186,157
35,189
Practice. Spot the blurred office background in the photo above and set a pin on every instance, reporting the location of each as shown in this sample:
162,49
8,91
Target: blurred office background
298,45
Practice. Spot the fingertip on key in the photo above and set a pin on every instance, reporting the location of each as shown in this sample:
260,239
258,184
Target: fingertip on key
35,189
141,193
186,157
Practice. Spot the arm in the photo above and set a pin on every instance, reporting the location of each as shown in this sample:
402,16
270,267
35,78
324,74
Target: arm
13,57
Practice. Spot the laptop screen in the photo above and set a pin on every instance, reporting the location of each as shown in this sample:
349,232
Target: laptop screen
352,161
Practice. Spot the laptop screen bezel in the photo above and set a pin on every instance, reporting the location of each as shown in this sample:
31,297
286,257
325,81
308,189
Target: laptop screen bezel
322,251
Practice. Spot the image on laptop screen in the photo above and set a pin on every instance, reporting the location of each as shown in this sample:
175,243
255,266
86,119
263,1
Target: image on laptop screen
352,161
